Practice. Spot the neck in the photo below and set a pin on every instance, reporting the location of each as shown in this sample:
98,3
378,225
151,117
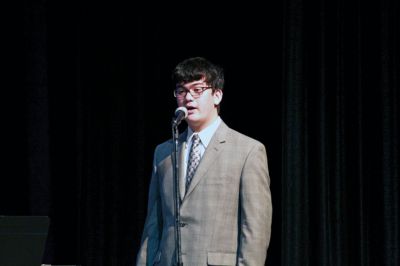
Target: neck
202,125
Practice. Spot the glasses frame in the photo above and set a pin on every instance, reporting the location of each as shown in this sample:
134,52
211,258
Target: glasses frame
197,95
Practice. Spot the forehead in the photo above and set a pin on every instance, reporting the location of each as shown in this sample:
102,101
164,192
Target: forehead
192,83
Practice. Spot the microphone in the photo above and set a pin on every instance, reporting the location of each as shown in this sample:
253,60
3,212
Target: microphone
180,114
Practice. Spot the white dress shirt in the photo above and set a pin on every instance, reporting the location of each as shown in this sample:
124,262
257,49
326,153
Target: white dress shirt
205,138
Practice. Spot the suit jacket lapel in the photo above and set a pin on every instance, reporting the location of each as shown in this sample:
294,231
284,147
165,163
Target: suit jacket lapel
209,157
181,162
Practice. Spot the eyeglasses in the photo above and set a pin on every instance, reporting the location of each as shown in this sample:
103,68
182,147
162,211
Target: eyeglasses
196,92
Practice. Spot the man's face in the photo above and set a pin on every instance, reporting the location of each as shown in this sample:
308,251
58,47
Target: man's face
200,102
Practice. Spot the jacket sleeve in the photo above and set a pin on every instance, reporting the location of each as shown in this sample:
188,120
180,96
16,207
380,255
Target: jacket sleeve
255,209
153,224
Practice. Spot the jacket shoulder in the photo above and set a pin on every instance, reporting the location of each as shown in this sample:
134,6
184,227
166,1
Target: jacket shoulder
241,139
163,150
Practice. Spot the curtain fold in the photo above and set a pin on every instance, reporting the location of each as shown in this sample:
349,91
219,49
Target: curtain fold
340,134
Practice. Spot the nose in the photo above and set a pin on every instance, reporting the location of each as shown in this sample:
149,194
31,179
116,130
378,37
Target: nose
189,96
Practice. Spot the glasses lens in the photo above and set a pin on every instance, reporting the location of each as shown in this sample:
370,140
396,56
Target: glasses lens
179,92
195,92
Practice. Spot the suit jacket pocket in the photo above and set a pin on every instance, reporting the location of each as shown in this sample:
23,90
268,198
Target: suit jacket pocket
218,258
218,180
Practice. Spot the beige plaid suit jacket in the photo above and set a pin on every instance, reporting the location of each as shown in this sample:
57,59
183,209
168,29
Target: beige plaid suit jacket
226,213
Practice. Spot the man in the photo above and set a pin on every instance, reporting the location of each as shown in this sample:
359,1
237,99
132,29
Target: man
226,208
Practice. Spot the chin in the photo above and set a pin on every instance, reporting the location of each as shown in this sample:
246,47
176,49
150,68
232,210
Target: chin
193,122
193,118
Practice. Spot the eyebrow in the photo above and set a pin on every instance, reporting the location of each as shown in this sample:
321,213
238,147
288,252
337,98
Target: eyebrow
193,86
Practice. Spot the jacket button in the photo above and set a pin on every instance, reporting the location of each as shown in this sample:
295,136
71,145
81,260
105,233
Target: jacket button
183,224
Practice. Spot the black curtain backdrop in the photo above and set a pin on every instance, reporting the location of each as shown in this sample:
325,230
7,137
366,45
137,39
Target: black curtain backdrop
340,163
90,97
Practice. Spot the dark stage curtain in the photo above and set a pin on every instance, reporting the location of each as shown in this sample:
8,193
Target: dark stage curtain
340,164
316,83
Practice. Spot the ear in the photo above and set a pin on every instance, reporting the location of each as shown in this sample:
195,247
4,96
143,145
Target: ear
217,96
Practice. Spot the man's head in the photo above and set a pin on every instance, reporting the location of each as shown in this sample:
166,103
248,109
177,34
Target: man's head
199,84
197,68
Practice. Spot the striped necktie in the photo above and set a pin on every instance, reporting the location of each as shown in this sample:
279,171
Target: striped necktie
194,159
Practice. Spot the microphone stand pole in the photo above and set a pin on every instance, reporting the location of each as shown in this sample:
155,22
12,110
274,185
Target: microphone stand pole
175,134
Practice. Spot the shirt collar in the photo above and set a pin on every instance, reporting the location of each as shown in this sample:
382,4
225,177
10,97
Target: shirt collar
207,133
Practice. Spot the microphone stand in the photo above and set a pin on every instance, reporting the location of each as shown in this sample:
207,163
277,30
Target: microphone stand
175,134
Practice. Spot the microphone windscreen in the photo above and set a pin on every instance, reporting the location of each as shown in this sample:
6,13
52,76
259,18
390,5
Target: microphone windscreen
181,109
